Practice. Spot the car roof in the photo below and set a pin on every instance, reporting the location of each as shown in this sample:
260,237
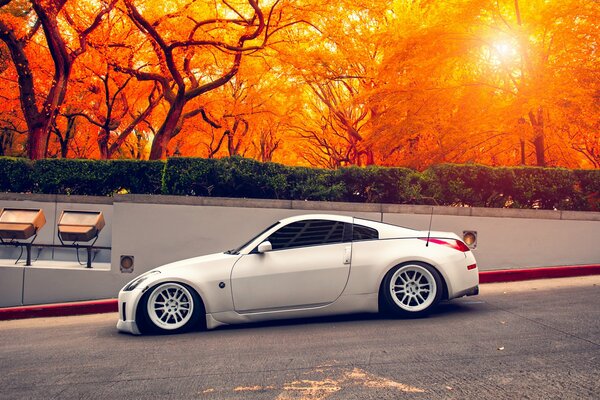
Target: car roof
385,229
303,217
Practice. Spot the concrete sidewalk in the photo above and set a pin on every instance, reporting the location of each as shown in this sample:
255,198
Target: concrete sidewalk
110,305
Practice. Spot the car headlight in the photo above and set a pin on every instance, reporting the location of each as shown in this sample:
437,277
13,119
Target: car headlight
135,283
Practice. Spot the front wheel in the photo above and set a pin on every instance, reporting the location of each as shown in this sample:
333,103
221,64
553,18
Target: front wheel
412,289
169,307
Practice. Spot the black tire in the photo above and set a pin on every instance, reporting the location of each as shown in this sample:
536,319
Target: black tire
411,289
172,318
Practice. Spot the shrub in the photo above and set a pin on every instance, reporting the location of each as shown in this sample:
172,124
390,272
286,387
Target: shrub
65,176
444,184
378,184
134,176
467,184
245,177
313,184
190,176
587,189
15,174
547,188
96,177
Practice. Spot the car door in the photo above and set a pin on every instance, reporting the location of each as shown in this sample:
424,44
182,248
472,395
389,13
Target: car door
308,266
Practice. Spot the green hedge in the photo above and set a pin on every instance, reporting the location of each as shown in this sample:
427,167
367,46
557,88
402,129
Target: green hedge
588,188
96,177
243,177
547,188
15,174
227,177
444,184
467,185
379,185
313,184
517,187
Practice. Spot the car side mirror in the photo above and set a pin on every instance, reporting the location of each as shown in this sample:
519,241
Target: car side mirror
264,247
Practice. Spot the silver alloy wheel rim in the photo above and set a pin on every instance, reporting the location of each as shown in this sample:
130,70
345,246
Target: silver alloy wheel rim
170,306
413,288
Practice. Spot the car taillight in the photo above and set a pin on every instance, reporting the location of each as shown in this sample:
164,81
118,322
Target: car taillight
453,243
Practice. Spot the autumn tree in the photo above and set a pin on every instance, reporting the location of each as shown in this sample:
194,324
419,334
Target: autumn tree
243,117
60,39
328,83
489,87
111,109
196,48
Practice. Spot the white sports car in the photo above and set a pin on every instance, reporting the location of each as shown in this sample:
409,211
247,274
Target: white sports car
303,266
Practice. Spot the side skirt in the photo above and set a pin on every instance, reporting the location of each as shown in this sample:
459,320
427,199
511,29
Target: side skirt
343,305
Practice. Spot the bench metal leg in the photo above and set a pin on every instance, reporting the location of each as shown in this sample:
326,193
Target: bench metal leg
89,257
28,248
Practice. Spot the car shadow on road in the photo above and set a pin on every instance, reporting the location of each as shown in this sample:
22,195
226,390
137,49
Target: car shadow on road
445,309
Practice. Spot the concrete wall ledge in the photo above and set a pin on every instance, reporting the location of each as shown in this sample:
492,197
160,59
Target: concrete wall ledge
322,206
325,206
59,265
55,198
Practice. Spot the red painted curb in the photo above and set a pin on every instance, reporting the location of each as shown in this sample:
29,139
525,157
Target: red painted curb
111,305
512,275
59,309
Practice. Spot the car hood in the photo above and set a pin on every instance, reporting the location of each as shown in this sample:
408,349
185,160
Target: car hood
196,261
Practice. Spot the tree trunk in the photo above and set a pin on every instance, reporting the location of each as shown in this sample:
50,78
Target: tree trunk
103,136
160,143
64,148
538,142
537,123
370,157
166,131
37,141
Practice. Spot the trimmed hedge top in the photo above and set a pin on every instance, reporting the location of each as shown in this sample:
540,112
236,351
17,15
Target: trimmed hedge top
444,184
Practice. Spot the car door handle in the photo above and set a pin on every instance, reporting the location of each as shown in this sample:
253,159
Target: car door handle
347,254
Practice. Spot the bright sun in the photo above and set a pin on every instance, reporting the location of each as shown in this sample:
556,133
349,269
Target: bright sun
505,51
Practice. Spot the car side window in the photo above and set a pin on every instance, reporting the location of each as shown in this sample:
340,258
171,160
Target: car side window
360,232
307,233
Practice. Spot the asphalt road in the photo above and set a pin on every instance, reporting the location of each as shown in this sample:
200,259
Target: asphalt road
536,340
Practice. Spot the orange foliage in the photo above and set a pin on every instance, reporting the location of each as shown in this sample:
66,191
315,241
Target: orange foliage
306,82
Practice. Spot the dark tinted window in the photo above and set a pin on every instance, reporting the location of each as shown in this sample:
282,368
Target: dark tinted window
307,233
360,232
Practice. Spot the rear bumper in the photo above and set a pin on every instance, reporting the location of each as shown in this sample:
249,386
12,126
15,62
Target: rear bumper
474,291
460,280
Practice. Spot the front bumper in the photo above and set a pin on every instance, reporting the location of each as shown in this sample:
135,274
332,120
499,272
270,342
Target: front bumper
128,327
127,306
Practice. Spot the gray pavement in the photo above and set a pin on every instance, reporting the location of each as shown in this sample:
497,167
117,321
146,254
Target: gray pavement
535,340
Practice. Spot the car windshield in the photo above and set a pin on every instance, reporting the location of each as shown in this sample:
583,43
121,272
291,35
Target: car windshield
237,249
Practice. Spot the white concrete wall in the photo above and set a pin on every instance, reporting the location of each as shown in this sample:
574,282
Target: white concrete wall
11,285
50,285
506,243
160,229
156,234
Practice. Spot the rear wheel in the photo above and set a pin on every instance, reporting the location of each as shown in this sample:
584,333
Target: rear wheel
170,307
412,289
